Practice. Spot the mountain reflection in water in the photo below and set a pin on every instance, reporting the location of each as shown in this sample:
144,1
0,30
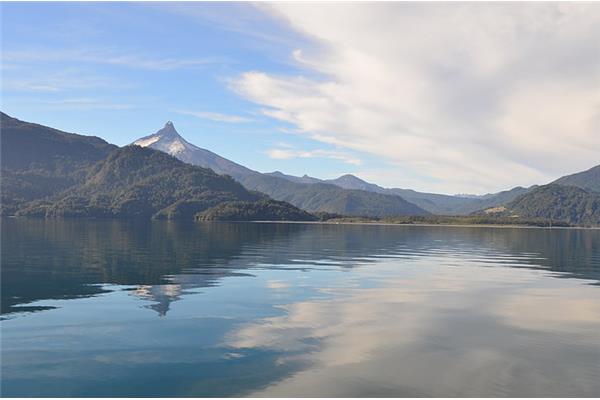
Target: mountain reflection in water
297,310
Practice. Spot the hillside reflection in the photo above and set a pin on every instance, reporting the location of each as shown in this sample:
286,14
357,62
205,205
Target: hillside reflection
162,261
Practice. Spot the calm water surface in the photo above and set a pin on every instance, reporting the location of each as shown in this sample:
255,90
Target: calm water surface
107,308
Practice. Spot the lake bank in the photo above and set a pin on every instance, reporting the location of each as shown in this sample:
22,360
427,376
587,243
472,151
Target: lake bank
421,224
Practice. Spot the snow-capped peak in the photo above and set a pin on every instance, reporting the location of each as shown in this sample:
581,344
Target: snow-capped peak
167,139
168,130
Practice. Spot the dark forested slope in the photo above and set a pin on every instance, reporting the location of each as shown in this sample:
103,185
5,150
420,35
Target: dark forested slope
140,182
50,173
263,210
322,197
37,161
587,180
557,203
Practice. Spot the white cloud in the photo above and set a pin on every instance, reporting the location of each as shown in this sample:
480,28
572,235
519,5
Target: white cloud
476,97
129,60
239,17
217,117
288,153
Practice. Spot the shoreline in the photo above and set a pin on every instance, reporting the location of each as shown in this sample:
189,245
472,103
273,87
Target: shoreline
378,223
419,224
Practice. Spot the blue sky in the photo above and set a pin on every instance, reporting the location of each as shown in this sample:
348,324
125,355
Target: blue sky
454,99
120,71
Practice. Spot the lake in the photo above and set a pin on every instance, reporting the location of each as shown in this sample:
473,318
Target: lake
124,308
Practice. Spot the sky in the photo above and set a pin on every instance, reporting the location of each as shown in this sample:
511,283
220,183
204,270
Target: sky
439,97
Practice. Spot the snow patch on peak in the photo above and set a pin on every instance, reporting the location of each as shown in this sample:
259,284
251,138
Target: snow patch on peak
147,142
176,147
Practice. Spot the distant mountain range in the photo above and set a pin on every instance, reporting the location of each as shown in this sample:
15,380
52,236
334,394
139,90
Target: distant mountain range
434,203
47,172
358,198
307,193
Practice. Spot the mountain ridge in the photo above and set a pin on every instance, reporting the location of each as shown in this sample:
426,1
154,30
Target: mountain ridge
137,182
555,202
362,198
433,202
168,140
587,180
48,172
38,161
298,191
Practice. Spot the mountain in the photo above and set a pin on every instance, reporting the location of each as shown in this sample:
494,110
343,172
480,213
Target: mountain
264,210
587,180
169,141
501,198
349,181
50,173
297,179
555,202
361,200
430,202
26,145
137,182
434,203
309,194
37,161
322,197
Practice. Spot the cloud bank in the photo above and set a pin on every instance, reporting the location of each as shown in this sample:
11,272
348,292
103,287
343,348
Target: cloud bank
217,117
129,60
288,154
474,97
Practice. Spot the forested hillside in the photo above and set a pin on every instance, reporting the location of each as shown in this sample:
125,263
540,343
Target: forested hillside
50,173
38,161
555,203
588,180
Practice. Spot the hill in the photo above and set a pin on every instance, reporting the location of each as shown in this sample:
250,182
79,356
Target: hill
322,197
137,182
264,210
26,145
557,203
37,161
298,179
587,180
50,173
432,202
